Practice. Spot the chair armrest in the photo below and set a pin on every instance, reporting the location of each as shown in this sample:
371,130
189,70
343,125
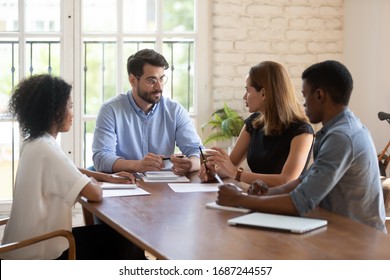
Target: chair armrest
64,233
3,221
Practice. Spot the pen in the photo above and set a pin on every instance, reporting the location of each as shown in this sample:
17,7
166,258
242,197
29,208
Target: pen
218,178
169,158
203,160
207,169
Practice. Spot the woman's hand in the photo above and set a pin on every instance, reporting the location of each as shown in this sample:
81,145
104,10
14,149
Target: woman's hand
121,177
206,175
221,162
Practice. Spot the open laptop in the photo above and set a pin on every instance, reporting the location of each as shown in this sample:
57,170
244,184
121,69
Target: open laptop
278,222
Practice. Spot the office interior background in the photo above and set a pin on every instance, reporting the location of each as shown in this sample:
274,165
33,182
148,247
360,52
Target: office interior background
211,45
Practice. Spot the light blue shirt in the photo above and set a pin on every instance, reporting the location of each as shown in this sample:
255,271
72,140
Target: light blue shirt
124,131
344,177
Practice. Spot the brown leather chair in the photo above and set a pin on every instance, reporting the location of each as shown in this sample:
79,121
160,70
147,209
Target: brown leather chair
36,239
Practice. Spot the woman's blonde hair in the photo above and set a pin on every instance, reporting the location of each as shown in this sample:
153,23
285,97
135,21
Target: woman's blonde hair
281,103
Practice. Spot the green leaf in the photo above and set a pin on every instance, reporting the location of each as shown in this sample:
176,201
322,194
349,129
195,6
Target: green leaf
226,123
218,136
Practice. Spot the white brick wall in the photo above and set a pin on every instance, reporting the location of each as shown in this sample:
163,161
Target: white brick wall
295,33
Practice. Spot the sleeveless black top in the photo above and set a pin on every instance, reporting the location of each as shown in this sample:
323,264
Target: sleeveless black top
267,154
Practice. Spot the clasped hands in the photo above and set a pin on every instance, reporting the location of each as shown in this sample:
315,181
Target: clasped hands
153,162
230,195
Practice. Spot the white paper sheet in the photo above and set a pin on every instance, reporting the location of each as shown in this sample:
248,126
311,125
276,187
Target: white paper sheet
112,186
163,176
194,187
214,205
128,192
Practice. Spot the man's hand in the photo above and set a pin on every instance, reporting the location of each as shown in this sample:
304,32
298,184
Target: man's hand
258,187
181,165
150,162
229,195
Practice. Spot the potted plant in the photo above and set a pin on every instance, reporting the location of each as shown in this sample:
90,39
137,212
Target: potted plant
225,124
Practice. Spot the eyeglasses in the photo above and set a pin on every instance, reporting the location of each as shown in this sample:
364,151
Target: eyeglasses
152,81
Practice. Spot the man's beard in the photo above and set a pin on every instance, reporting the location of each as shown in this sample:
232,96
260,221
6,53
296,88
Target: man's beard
149,96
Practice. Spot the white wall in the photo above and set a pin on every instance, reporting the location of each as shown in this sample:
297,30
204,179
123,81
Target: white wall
367,55
298,33
295,33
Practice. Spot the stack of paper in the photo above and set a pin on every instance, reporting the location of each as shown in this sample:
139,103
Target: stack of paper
111,189
163,176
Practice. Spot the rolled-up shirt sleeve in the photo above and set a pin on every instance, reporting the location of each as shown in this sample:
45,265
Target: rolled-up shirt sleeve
105,140
331,163
187,138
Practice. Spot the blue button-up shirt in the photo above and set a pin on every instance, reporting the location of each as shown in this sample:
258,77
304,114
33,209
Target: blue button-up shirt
124,131
344,177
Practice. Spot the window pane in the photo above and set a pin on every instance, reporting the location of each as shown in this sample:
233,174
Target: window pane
139,15
8,68
180,56
9,156
43,56
131,47
43,16
9,15
99,16
89,127
99,73
178,15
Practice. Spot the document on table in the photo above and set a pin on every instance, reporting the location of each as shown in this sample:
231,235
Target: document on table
214,205
124,192
194,187
163,176
112,186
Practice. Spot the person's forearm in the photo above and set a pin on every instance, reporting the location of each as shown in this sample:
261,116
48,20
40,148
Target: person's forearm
195,163
277,204
272,180
99,176
125,165
284,189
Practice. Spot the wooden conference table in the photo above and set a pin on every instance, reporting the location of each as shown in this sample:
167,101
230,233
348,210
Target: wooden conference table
173,225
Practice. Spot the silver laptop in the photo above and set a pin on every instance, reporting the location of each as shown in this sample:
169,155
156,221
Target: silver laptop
278,222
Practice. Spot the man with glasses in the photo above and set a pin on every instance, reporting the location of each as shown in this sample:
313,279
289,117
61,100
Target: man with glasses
136,131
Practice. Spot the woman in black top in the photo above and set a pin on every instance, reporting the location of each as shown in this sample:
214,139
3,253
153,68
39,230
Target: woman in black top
276,139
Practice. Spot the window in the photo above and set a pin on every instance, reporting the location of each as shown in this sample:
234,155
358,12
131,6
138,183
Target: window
27,46
88,42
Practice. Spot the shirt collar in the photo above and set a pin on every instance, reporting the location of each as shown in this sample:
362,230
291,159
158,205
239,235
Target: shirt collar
334,120
138,109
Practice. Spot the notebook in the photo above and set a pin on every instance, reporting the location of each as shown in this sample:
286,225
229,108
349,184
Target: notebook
278,222
164,176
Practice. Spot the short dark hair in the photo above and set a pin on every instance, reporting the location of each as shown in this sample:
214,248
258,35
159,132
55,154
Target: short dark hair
331,76
39,102
136,62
